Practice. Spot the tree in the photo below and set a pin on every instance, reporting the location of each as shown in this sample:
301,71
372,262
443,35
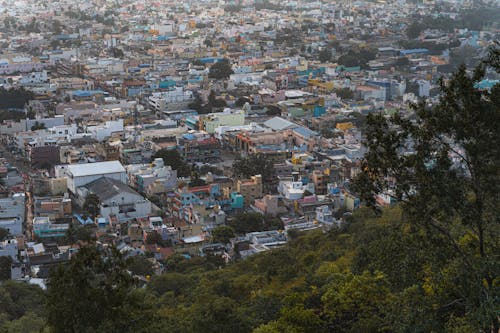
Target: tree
37,126
140,265
3,233
247,222
220,70
92,204
174,159
56,27
414,30
93,293
5,263
255,164
222,234
325,55
14,98
443,168
208,42
402,62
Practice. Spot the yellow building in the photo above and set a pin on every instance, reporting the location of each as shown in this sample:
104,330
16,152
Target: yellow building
210,122
250,189
344,126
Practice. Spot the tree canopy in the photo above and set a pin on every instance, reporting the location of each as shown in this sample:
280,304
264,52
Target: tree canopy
174,159
220,70
443,169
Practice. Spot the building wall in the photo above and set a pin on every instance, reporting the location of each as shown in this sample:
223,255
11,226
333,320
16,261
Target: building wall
75,182
142,206
250,189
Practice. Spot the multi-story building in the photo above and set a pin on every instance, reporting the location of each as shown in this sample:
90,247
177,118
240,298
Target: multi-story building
155,178
198,147
12,213
251,189
228,117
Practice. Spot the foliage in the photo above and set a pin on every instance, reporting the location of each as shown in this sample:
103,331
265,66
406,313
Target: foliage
244,223
325,55
174,159
3,233
255,164
220,70
5,262
355,58
18,299
14,98
92,293
443,168
344,93
140,265
92,205
222,234
38,126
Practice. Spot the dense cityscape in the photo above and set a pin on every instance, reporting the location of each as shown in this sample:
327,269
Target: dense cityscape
249,166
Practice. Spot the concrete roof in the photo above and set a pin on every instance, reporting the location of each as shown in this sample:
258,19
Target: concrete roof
278,124
98,168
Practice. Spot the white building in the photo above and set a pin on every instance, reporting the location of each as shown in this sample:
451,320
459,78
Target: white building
81,174
294,190
9,248
34,78
102,132
160,100
12,213
116,199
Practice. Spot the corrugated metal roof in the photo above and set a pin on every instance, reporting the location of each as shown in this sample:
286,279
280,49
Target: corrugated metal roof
98,168
278,124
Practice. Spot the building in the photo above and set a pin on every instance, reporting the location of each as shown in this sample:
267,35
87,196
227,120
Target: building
43,157
44,227
198,147
12,213
152,178
116,199
268,205
320,181
228,117
81,174
250,189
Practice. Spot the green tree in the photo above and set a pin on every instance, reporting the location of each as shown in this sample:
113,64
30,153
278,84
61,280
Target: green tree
217,314
29,323
414,30
93,293
325,55
222,234
174,159
355,303
37,126
3,233
220,70
92,205
5,263
443,168
140,265
255,164
247,222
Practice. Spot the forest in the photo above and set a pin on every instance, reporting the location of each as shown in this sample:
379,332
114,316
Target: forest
377,274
